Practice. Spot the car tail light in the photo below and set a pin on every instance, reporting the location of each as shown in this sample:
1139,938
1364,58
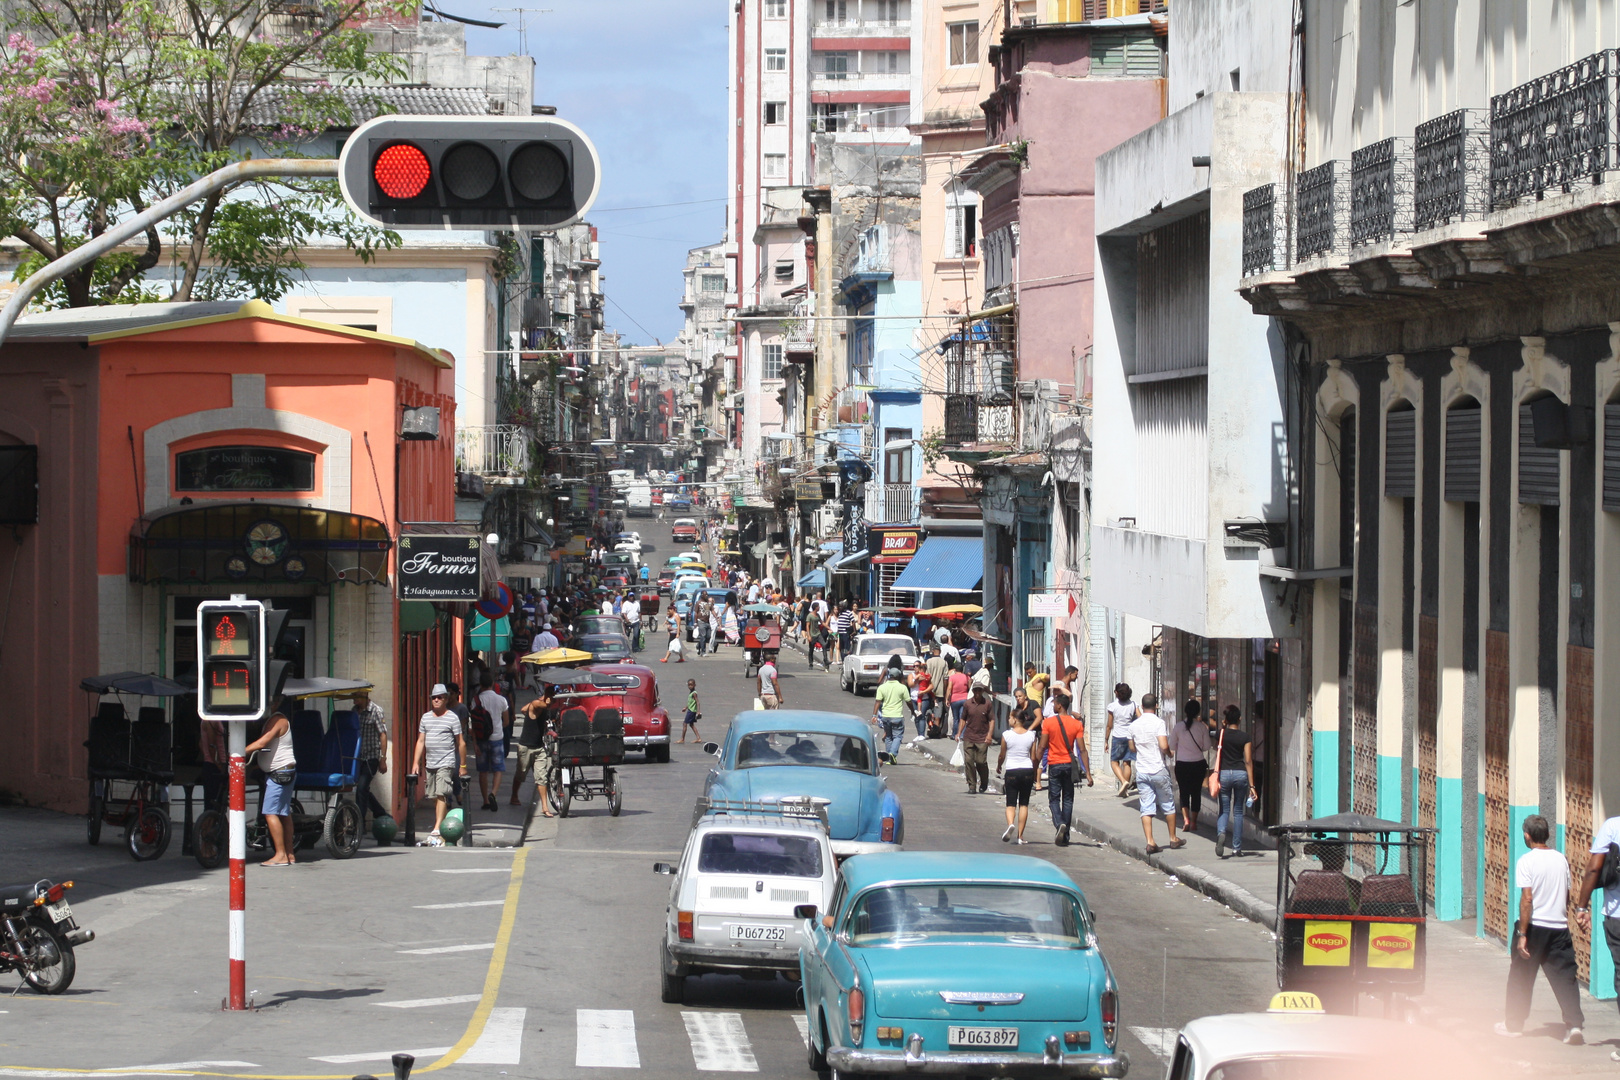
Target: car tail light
857,1014
1075,1040
1110,1017
888,830
683,925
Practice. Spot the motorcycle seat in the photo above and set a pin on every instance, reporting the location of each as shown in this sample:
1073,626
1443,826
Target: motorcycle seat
13,897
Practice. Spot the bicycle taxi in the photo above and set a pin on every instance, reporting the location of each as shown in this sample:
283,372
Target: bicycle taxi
131,763
761,637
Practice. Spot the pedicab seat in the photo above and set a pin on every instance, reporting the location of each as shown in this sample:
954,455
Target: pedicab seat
1321,892
325,757
150,746
109,744
573,736
1389,895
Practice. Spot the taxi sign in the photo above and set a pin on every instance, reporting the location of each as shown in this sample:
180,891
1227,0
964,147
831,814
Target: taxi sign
1295,1001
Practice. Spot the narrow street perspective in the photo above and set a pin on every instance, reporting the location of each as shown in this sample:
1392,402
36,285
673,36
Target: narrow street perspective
822,538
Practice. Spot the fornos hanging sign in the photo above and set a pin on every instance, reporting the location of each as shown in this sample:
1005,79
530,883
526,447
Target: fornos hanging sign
444,568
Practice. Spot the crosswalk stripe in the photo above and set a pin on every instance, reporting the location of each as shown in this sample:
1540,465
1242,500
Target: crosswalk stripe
719,1042
1161,1042
502,1040
802,1022
381,1055
446,949
422,1003
605,1039
477,870
464,903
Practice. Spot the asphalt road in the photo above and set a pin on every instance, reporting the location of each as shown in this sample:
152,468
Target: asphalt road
539,963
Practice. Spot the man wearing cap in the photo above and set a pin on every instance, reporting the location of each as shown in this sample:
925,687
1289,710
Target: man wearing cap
373,752
545,639
440,754
889,709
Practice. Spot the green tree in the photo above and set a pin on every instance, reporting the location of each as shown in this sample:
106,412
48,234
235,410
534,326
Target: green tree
109,105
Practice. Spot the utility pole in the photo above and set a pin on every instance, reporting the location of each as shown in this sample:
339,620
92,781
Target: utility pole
523,25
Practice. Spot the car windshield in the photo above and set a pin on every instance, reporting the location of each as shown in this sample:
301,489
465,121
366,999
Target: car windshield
760,853
803,748
1306,1067
605,643
997,914
886,646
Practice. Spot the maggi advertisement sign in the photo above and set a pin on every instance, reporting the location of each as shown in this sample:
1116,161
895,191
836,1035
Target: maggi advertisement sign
1392,945
1327,944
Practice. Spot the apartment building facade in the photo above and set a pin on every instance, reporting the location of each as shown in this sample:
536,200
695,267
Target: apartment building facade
1437,257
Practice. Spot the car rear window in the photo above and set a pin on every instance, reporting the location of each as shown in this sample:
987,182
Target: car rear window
760,853
933,913
886,646
803,748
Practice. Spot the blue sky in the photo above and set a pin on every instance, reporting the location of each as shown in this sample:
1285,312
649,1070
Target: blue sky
646,79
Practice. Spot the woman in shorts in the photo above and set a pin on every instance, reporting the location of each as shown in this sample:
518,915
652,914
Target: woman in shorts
1018,780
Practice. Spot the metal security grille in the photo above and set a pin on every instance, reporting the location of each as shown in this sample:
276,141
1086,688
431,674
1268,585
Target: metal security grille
1578,783
1428,718
1497,840
1463,431
1611,457
1364,720
1538,465
888,599
1400,454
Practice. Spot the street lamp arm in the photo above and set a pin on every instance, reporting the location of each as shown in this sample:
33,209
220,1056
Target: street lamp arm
252,169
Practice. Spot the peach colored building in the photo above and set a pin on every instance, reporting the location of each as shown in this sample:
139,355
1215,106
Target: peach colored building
189,452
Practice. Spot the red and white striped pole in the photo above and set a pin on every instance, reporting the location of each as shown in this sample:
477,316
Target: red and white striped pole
237,816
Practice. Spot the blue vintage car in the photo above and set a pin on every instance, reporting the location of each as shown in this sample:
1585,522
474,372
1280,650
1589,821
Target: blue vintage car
958,964
786,753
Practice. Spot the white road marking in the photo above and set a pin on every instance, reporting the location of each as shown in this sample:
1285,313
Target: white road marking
477,870
803,1024
502,1040
1161,1042
382,1055
177,1066
422,1003
719,1042
605,1039
445,949
464,903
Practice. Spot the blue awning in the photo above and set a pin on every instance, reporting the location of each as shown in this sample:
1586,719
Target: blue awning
833,546
815,579
944,564
847,561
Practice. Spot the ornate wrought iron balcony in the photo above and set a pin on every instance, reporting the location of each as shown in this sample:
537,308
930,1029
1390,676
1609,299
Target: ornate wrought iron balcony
1381,192
1450,159
1554,132
1321,210
1262,250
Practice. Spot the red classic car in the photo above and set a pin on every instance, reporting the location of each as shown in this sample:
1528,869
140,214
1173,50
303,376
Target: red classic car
646,724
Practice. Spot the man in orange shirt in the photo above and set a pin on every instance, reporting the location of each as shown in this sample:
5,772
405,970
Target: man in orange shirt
1062,735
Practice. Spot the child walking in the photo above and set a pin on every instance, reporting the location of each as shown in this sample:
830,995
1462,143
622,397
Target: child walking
689,721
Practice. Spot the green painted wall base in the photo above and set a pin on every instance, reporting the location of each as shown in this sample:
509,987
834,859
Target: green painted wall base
1324,773
1389,802
1448,870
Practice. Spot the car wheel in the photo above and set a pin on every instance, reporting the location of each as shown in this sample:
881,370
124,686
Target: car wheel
814,1057
843,679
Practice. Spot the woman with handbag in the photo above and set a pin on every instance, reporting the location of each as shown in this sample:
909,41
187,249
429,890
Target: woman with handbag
279,773
1232,781
1190,741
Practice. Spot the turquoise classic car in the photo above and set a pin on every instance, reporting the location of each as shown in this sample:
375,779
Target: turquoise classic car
830,758
958,964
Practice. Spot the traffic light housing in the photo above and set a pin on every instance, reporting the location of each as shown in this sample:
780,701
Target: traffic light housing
469,172
238,677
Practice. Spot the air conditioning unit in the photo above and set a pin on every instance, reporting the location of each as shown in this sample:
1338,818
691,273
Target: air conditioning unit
828,519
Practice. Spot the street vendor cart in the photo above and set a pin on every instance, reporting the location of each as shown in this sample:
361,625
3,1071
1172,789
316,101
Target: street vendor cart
1352,908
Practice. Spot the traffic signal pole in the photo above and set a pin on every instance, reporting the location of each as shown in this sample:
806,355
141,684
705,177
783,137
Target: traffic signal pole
237,821
129,228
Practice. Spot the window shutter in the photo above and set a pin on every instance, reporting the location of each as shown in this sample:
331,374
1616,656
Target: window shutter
1108,54
1143,60
1400,454
1611,457
1463,432
1538,465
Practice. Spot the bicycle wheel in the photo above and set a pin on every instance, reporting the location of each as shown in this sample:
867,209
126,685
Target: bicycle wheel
147,834
97,811
51,965
615,796
564,797
341,830
209,843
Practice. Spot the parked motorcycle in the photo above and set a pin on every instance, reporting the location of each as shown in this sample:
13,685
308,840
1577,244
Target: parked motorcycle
39,934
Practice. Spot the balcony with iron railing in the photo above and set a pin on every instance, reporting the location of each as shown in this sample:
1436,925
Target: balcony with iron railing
498,450
891,504
1548,147
860,28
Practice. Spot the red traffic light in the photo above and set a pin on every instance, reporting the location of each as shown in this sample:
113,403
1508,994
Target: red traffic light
402,171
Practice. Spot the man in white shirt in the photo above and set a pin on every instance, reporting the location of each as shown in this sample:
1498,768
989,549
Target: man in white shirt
491,751
1607,834
545,639
1542,939
630,611
769,686
753,593
1156,793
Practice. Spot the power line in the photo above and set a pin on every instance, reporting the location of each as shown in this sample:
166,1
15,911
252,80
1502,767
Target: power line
631,317
651,206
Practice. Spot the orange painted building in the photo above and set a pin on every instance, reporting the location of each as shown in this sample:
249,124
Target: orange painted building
189,452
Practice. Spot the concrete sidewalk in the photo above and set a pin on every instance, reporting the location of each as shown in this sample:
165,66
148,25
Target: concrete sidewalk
1466,974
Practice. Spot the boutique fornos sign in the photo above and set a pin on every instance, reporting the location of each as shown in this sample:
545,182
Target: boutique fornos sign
439,568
